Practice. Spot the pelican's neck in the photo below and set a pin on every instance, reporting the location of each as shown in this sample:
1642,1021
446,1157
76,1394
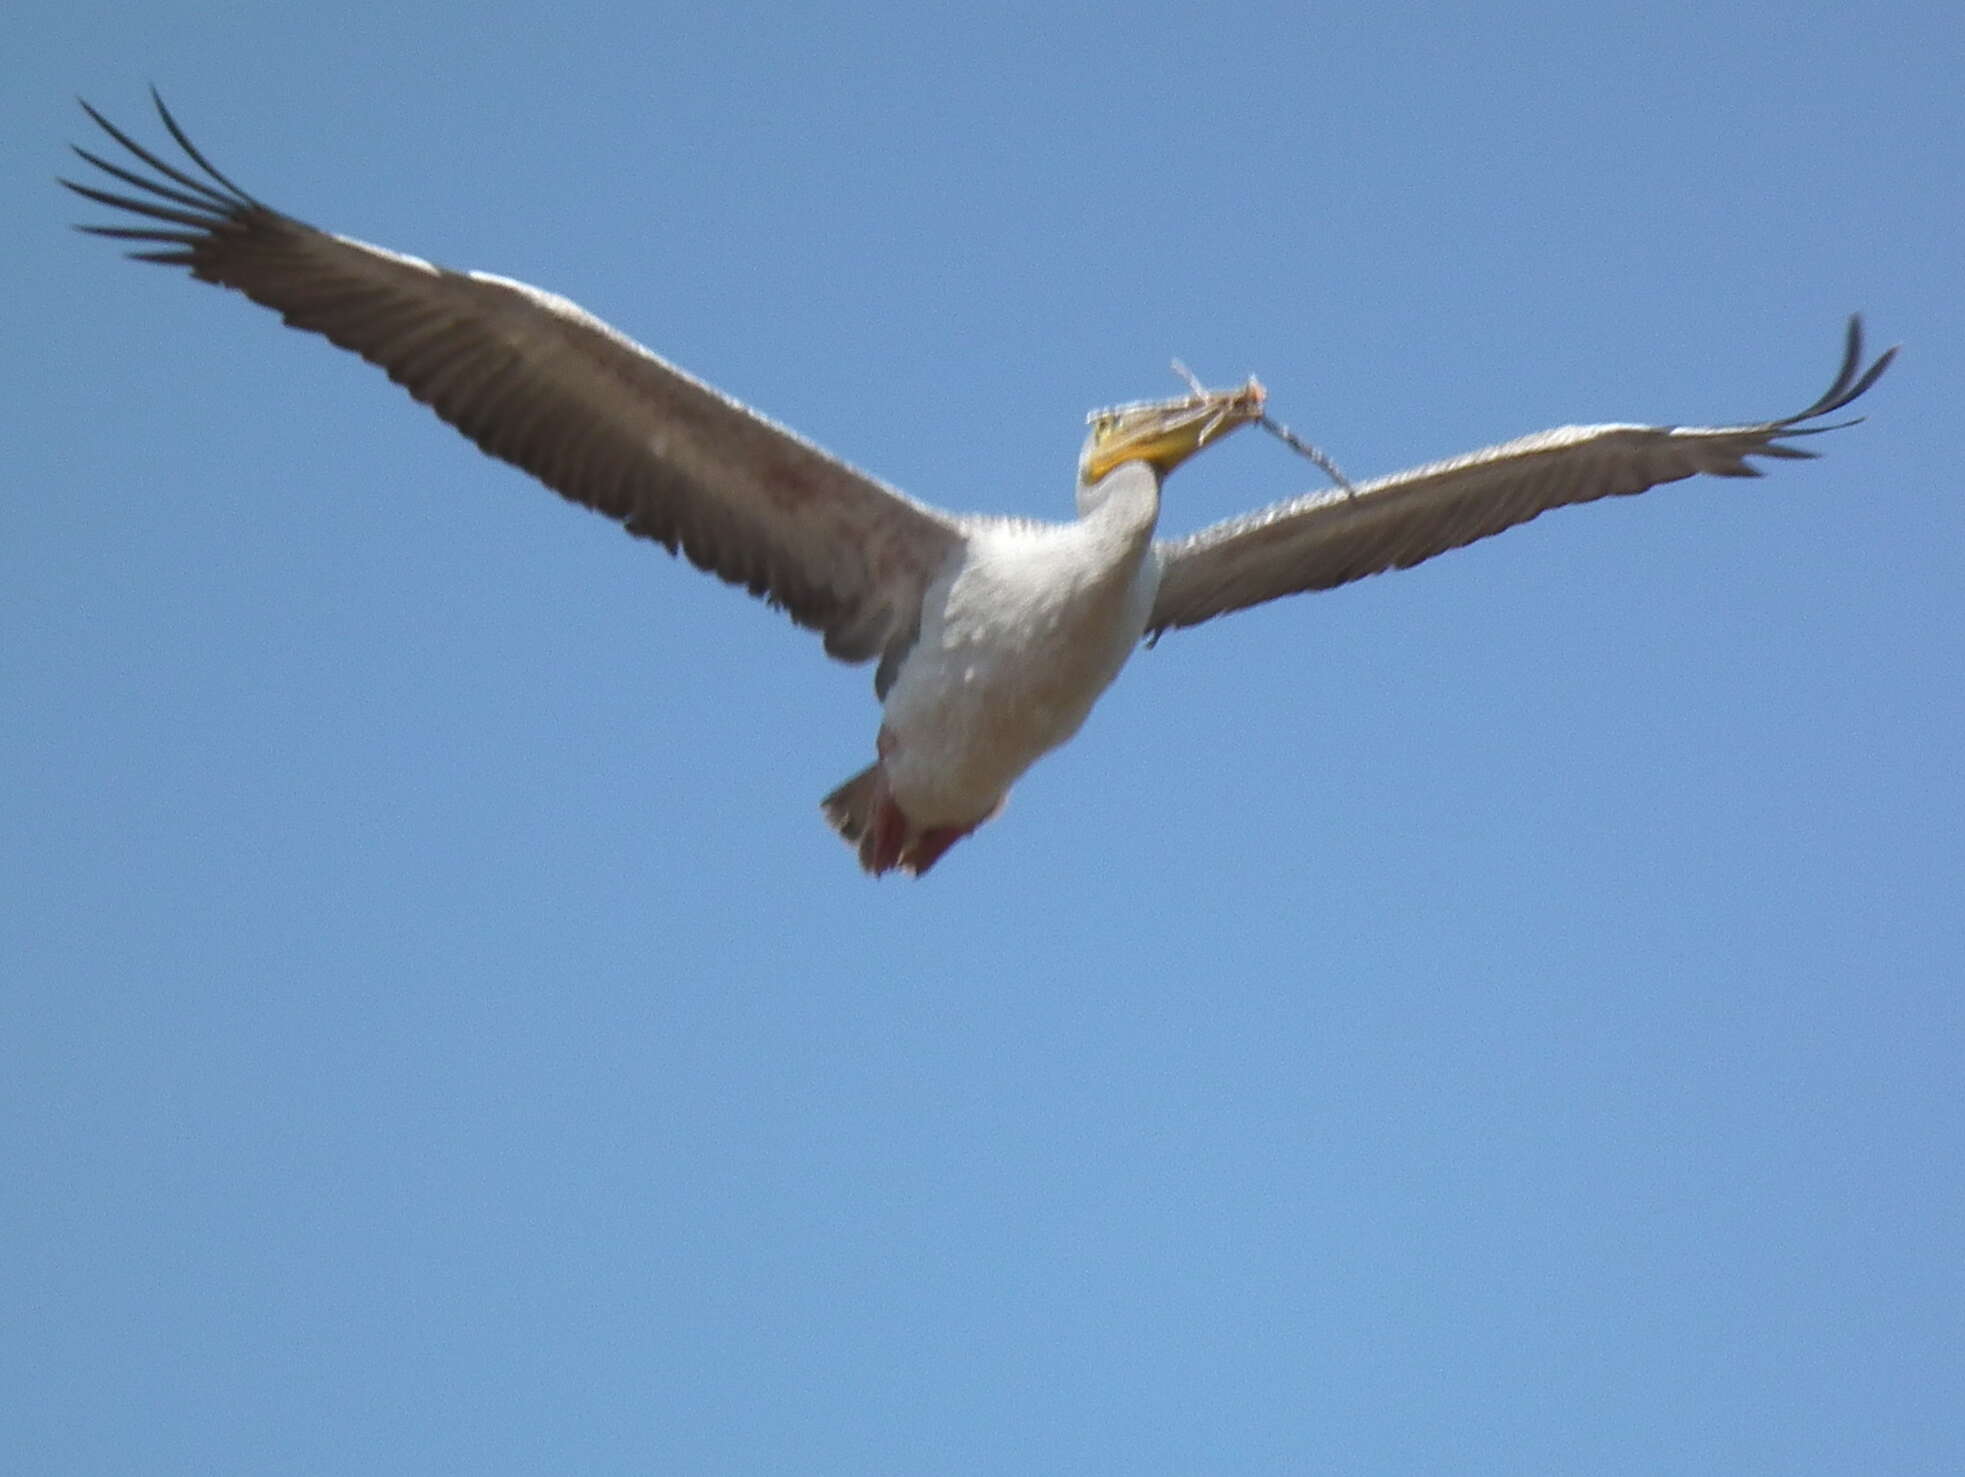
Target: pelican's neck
1126,501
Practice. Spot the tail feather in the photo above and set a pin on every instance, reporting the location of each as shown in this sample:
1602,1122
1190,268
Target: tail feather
864,813
851,807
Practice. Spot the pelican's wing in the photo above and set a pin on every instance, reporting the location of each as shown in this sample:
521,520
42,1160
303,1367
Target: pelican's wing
1330,538
537,382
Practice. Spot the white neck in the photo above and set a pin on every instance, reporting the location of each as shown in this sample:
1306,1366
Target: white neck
1126,500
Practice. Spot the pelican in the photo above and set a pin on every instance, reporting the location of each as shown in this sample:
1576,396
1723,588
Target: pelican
993,636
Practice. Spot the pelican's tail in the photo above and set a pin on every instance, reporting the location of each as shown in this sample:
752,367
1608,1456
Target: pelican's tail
852,809
864,813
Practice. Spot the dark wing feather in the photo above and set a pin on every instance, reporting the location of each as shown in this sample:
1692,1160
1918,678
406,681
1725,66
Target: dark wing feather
1331,538
537,382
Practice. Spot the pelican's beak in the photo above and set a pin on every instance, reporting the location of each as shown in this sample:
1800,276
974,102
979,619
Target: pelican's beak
1165,433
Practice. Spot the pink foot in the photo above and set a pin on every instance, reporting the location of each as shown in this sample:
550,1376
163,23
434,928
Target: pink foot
931,845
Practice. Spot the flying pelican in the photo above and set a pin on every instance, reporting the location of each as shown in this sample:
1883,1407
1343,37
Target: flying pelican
994,636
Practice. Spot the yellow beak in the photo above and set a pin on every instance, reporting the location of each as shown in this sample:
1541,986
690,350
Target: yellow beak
1165,433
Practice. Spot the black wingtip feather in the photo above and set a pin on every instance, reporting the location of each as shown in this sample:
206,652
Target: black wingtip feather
142,207
226,202
190,148
209,210
1873,373
142,233
1851,381
206,200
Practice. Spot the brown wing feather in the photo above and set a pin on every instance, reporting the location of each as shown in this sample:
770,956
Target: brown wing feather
537,382
1331,538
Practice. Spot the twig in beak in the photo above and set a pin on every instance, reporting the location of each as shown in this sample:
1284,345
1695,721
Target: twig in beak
1304,448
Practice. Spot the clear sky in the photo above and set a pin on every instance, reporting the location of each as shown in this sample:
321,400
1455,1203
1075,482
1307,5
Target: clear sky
1503,1017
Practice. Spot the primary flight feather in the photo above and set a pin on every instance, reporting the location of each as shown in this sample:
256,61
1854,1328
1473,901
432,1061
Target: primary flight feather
994,636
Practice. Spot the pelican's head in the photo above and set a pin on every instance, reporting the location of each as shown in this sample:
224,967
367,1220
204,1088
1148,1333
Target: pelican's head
1165,433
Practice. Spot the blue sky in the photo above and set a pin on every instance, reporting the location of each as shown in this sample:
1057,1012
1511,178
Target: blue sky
1499,1017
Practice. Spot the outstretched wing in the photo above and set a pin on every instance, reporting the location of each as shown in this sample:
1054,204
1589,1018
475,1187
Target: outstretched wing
1330,538
537,382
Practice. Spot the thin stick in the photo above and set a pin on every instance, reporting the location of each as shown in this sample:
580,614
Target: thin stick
1304,448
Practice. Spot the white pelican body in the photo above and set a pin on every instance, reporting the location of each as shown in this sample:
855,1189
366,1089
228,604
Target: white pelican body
1018,639
994,637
